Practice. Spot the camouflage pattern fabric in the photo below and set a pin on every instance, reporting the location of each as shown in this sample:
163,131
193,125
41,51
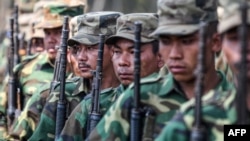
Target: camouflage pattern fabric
34,73
92,24
3,63
216,112
161,94
76,126
231,16
222,65
28,121
182,17
75,90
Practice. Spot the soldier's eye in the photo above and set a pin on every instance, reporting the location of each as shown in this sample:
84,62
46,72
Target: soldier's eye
233,37
116,51
188,41
165,41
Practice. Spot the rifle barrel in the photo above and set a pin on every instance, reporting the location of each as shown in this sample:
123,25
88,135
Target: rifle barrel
61,105
95,115
242,78
135,129
12,87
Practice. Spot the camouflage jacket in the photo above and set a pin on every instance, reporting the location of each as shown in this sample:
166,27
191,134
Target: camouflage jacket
28,121
161,94
74,94
76,125
32,72
217,110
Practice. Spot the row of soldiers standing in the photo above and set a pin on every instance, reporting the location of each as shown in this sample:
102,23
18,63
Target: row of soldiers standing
111,94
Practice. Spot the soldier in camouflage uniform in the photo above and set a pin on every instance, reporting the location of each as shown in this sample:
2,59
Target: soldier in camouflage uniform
123,55
178,35
28,120
217,112
231,45
85,46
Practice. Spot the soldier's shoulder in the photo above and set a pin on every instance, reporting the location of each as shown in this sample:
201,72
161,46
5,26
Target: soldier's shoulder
153,79
24,62
214,99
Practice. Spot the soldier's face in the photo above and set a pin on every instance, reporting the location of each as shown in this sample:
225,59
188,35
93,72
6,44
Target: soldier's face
37,45
87,59
123,60
51,40
231,45
180,55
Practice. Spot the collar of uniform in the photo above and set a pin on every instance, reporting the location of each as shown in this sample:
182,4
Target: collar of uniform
82,86
169,86
44,62
103,92
224,83
154,77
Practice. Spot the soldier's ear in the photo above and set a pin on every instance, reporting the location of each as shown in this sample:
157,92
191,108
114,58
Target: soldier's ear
69,56
216,43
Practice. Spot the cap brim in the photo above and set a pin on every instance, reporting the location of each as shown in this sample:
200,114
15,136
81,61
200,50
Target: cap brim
175,30
113,38
230,22
82,38
49,24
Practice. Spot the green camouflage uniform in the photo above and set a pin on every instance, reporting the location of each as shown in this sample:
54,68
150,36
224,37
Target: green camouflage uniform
76,126
215,114
88,30
232,18
27,122
162,94
28,74
222,65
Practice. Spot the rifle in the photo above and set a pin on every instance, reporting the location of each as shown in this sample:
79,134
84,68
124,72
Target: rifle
12,87
135,119
198,131
95,114
241,105
57,68
61,104
17,40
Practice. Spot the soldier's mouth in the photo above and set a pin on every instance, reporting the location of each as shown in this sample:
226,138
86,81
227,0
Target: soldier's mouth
125,76
51,50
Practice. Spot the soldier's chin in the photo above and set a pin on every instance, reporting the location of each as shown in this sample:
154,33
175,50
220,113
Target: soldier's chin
52,56
125,82
86,75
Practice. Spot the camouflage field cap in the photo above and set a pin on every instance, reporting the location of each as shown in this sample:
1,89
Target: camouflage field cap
125,27
38,33
90,25
231,16
182,17
53,14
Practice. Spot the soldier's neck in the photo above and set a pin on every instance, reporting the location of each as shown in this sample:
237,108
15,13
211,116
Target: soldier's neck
211,81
